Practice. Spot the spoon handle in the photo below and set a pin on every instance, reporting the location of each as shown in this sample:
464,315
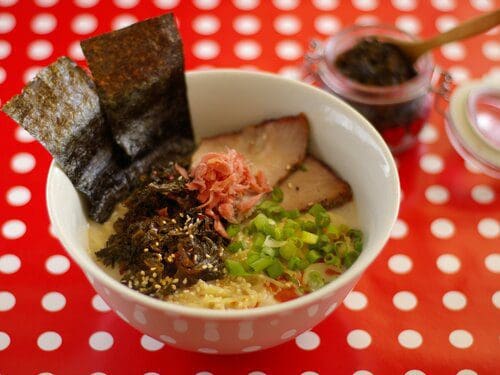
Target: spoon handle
467,29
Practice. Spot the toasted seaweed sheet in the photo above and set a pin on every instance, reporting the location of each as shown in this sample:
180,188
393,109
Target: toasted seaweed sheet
60,108
139,75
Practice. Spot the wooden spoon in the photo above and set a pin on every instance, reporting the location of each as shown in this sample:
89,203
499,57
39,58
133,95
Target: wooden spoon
466,29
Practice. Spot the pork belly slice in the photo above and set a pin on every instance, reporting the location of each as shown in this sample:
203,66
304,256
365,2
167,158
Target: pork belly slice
315,183
274,147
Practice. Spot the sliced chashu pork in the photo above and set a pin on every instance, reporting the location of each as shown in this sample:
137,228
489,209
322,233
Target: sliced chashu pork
274,147
314,183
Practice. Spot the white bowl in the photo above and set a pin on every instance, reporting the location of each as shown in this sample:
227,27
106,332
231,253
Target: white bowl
227,100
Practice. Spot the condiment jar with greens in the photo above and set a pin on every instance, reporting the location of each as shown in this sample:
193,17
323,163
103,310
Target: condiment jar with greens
376,79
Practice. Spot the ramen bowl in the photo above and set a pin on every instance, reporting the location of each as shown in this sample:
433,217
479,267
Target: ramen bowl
223,101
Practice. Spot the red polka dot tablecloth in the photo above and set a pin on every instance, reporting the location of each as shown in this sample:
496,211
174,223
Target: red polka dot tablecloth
428,305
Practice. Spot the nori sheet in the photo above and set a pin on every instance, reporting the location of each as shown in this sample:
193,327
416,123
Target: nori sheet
60,108
139,75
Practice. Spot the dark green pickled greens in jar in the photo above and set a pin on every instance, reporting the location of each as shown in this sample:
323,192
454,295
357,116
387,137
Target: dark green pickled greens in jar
375,63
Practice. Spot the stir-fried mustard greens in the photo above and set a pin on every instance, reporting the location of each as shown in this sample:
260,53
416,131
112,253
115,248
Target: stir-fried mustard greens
283,244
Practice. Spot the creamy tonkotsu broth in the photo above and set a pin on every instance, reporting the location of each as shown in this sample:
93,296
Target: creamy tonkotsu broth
229,292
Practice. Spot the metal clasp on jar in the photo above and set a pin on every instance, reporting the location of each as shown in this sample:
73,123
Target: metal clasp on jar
312,58
443,88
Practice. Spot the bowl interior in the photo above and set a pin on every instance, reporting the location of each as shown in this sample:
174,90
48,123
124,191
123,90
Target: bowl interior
227,100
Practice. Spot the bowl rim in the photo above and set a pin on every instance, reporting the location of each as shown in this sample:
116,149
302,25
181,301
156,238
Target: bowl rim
92,270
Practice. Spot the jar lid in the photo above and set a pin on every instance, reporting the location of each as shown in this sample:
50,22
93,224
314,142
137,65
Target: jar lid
473,123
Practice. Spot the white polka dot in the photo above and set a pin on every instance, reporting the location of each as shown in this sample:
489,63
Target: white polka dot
491,50
168,339
489,227
86,3
57,264
5,49
286,335
454,300
250,349
459,73
405,300
22,162
287,24
466,372
7,301
454,51
3,75
7,3
256,373
444,5
473,168
448,263
247,49
140,317
365,5
331,309
52,231
495,299
445,23
9,263
309,373
75,51
359,339
312,310
246,4
289,50
18,196
286,4
408,23
204,373
274,322
166,4
429,134
150,344
245,330
400,264
492,262
84,24
404,5
367,20
49,341
211,332
13,229
326,4
101,341
23,136
327,24
206,4
308,340
126,4
443,228
7,22
431,163
399,230
46,3
208,350
206,24
483,5
291,72
30,73
99,304
206,49
410,339
43,23
53,301
246,25
355,301
4,341
483,194
180,325
414,372
122,21
437,194
39,50
461,339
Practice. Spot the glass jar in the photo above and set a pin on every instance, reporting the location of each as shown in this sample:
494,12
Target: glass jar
398,112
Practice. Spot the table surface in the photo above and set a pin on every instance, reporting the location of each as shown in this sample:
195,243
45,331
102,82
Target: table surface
428,305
